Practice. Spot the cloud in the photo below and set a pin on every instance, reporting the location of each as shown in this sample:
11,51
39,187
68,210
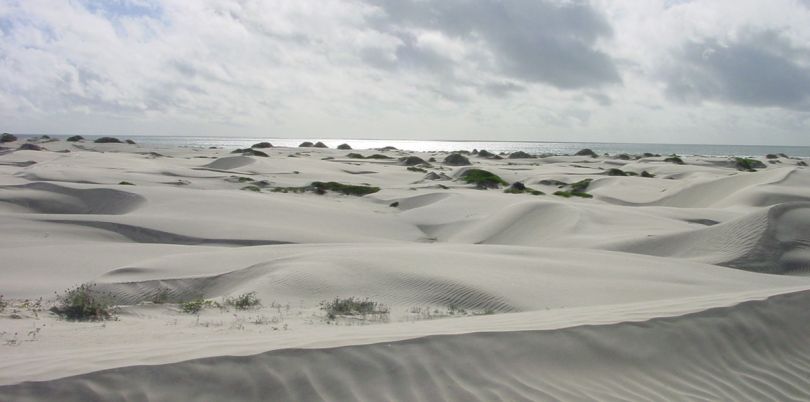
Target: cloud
761,69
536,41
652,71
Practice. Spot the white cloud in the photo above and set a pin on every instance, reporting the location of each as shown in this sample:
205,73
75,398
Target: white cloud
538,70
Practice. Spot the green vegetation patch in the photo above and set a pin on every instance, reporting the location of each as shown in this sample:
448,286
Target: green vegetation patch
347,189
244,301
616,172
483,179
675,159
581,186
84,303
352,306
748,164
196,305
569,194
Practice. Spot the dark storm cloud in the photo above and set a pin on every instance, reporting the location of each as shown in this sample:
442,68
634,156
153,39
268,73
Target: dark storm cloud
531,40
759,69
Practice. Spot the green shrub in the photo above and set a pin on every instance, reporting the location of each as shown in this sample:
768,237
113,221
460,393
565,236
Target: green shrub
674,159
125,183
748,164
416,169
194,306
84,303
569,194
244,301
647,174
353,306
354,155
3,304
482,178
251,188
616,172
581,186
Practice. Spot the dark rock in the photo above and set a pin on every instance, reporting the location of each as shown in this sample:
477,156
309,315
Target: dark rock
344,146
75,138
457,160
305,144
320,145
519,155
801,163
518,186
386,149
263,144
624,157
130,142
586,152
413,161
394,204
647,174
30,147
6,137
253,152
107,140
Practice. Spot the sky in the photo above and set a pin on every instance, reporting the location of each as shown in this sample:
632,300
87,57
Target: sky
655,71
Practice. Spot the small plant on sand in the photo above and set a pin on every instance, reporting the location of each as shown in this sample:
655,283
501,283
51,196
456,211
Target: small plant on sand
581,186
416,169
194,306
569,194
674,159
352,306
84,303
251,188
482,179
748,164
125,183
616,172
3,304
244,301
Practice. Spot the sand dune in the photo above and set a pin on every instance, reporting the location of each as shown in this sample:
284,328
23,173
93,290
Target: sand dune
776,240
700,356
654,289
48,198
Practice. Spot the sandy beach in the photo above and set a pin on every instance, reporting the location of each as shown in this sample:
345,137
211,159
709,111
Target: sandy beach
653,280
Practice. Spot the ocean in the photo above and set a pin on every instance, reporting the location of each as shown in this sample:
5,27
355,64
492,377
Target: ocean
532,147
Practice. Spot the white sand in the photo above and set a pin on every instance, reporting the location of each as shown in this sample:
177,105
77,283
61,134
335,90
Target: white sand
657,288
